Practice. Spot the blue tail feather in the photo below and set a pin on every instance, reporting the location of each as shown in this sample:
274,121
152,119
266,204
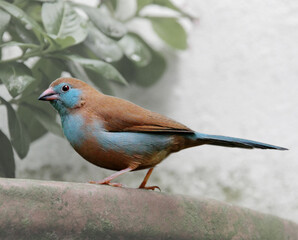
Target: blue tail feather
233,142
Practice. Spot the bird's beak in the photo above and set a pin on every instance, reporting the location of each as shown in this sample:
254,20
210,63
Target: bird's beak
49,95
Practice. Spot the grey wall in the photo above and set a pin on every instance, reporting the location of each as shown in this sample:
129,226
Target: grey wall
238,78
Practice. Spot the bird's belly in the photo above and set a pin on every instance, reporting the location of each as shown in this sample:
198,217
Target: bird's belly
119,150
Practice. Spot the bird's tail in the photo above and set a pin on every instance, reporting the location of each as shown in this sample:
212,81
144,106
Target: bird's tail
232,142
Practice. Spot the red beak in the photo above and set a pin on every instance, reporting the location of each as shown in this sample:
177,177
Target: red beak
49,95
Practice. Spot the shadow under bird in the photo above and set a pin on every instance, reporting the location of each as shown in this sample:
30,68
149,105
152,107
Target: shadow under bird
116,134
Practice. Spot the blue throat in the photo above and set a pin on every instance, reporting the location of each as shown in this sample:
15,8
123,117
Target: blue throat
72,128
58,105
71,123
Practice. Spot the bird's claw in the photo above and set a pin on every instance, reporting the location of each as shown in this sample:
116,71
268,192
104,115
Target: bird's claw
150,188
116,184
107,183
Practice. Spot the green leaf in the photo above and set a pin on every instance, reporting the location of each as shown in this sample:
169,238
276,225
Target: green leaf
7,164
45,115
104,70
169,30
110,4
20,33
82,50
34,128
34,11
150,74
114,3
104,86
4,20
24,18
48,69
43,1
143,3
77,70
16,77
20,3
19,44
63,24
144,76
102,46
104,22
50,124
163,3
31,89
135,49
45,71
89,76
19,136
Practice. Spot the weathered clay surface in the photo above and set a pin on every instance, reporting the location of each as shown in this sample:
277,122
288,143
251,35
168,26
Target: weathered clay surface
60,210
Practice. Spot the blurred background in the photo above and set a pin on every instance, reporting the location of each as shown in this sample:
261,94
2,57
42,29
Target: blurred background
236,77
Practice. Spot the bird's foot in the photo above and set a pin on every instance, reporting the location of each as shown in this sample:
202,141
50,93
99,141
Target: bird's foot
107,183
150,188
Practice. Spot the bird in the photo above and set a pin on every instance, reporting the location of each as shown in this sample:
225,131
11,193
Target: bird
119,135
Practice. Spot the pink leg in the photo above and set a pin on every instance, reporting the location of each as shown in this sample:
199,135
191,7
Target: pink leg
143,184
107,180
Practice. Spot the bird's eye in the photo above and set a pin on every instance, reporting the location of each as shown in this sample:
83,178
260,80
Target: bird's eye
65,88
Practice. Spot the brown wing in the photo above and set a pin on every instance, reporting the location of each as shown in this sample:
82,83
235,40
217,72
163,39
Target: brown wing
120,115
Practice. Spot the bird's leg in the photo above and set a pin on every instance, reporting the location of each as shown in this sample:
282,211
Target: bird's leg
143,184
107,180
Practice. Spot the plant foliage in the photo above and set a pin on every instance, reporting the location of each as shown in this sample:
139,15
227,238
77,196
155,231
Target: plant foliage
90,43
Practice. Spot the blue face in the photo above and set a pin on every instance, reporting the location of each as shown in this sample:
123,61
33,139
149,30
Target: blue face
69,97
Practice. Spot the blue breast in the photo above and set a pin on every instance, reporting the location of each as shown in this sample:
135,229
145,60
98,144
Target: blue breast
72,125
131,143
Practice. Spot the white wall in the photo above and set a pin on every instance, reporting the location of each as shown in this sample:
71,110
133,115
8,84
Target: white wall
238,78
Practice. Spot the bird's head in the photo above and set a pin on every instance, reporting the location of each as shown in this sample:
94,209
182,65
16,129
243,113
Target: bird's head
65,94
